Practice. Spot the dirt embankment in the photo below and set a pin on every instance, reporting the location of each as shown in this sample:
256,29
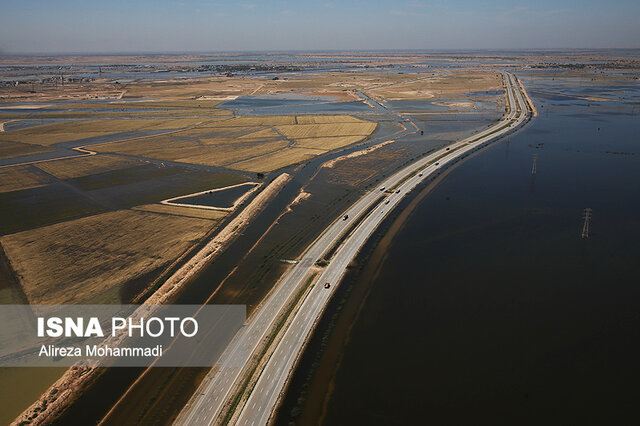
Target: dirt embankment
63,392
333,162
219,242
534,111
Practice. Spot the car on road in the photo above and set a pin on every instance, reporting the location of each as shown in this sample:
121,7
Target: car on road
387,201
345,217
327,285
420,174
398,191
437,164
382,188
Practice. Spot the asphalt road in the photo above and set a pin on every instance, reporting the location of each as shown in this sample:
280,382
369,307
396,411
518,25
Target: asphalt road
217,389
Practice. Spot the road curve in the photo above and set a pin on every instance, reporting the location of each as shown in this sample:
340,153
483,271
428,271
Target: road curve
222,383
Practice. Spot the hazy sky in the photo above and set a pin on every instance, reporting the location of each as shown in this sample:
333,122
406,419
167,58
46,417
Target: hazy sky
107,26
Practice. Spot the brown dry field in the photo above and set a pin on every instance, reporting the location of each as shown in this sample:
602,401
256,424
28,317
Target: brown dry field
319,119
336,84
277,160
183,211
88,260
193,88
258,144
178,104
300,131
15,149
212,152
328,143
50,134
455,83
85,166
21,177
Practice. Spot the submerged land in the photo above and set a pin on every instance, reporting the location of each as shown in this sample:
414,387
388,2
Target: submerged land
90,152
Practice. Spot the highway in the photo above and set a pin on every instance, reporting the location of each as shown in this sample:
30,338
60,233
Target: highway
218,390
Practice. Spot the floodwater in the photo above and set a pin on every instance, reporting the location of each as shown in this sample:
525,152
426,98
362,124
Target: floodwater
487,306
292,104
221,198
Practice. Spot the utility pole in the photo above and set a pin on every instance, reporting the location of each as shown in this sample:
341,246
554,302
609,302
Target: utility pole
532,188
585,226
535,161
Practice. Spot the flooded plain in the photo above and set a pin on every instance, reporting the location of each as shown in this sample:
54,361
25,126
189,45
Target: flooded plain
487,305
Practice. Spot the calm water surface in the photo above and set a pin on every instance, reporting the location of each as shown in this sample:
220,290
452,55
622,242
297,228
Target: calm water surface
489,307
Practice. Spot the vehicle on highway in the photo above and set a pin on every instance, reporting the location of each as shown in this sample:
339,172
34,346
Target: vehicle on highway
420,174
387,201
437,164
327,285
382,188
345,217
448,148
398,191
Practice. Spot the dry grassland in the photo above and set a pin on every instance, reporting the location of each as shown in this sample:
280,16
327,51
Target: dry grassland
210,152
248,143
274,120
133,113
362,128
276,160
9,149
455,83
50,134
261,134
85,166
320,119
336,84
133,105
327,144
21,177
192,89
87,260
227,155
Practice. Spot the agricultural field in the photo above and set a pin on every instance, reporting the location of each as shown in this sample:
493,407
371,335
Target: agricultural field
339,85
85,166
277,160
86,229
21,177
452,85
10,149
256,144
51,134
41,205
90,260
54,191
183,211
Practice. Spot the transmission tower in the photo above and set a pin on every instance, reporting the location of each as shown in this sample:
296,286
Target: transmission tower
585,226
